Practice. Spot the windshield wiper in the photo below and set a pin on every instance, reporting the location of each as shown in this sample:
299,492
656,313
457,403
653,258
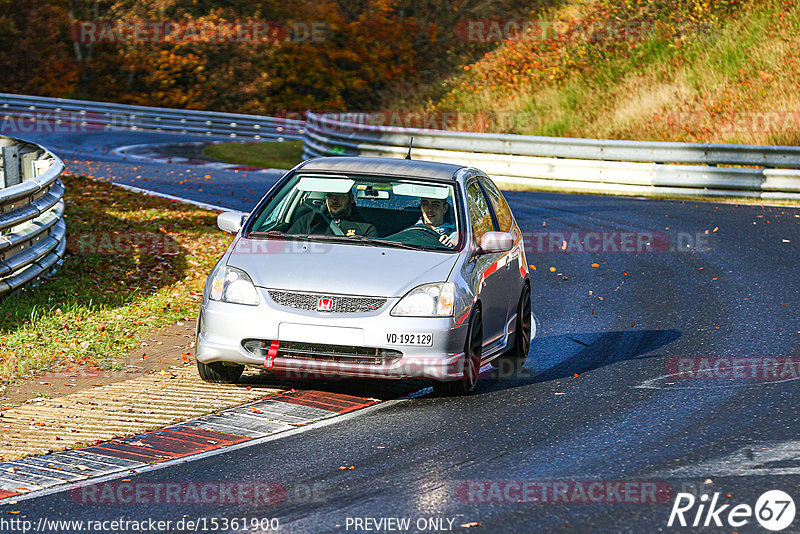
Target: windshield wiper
277,234
397,244
360,239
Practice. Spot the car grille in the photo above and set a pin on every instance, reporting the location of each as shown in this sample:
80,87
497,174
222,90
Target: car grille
309,301
322,352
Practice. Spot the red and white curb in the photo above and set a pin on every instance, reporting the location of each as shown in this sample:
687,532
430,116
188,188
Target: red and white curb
235,426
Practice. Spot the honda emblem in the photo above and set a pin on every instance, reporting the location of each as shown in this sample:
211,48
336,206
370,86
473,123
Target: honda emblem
324,304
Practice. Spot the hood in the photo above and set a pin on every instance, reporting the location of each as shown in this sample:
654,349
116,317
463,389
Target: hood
338,268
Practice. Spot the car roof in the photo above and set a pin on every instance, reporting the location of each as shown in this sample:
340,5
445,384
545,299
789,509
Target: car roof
384,166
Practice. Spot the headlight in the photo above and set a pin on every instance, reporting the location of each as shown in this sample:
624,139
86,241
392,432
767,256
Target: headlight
428,300
230,284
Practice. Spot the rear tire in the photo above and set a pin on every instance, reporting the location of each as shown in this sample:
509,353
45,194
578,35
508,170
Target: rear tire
473,348
219,373
515,357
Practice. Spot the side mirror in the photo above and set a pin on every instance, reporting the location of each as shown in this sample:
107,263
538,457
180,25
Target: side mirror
231,221
493,242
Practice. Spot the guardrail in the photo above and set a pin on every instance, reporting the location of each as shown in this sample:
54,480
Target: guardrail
585,165
32,227
59,114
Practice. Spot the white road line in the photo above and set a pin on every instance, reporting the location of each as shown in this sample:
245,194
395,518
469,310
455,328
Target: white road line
751,460
151,193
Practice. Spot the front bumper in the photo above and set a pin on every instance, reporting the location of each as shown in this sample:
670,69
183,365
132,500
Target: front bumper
223,327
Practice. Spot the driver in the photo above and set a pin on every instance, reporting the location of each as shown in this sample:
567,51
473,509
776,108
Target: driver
342,210
433,212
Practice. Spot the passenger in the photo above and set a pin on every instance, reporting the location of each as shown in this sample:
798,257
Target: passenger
433,213
343,212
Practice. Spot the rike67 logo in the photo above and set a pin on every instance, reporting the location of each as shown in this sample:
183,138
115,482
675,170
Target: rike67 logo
774,510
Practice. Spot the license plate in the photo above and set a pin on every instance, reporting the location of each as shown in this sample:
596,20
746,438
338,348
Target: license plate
421,339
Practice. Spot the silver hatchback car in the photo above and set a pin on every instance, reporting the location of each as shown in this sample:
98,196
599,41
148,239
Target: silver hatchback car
370,267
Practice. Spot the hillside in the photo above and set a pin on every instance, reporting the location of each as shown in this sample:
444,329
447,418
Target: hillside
688,70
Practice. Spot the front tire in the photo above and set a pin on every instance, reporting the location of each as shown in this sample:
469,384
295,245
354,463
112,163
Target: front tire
473,349
518,353
219,373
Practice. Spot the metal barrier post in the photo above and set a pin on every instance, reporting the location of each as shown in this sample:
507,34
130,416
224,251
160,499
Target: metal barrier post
11,166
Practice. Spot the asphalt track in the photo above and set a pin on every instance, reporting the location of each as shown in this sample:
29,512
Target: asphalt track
595,402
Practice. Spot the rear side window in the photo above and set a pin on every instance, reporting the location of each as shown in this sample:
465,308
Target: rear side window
499,205
479,214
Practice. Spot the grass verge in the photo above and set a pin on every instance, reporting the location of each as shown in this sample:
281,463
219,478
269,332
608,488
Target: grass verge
682,70
133,263
264,154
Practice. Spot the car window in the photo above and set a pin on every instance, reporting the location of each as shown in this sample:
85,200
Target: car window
499,205
376,207
479,214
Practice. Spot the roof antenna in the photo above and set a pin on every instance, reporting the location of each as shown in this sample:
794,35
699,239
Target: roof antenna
410,144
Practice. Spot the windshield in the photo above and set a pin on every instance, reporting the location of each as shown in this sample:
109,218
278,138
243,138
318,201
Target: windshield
362,209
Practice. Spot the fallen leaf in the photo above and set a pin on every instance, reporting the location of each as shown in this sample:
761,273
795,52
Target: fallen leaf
633,324
595,265
255,410
532,267
81,468
564,245
13,512
552,269
575,375
470,525
347,467
625,273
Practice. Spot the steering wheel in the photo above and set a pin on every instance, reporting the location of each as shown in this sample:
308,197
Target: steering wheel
418,235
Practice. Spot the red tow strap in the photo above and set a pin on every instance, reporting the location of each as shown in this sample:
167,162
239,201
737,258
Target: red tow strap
273,352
